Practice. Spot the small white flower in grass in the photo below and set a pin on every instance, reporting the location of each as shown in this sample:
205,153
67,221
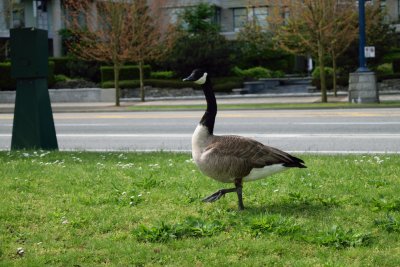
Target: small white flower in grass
139,195
276,190
20,251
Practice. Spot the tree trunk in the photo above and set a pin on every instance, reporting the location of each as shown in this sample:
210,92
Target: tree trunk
322,76
334,74
142,93
116,83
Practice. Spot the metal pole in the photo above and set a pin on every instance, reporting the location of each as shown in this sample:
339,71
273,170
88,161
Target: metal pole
361,52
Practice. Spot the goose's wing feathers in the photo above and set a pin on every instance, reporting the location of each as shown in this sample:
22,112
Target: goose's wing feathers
251,153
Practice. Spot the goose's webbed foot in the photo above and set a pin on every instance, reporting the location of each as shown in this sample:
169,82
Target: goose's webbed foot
217,195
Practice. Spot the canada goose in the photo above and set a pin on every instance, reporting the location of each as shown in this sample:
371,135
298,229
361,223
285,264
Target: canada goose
230,158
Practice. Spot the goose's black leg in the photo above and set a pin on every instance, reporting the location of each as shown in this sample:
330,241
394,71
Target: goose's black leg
220,193
239,186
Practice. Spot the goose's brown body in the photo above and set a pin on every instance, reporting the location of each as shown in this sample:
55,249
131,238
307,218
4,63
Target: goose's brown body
229,158
226,158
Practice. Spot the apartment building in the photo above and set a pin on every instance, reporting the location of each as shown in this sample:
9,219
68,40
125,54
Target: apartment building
45,14
230,15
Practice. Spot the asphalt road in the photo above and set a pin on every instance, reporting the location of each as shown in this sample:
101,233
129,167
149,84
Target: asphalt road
322,131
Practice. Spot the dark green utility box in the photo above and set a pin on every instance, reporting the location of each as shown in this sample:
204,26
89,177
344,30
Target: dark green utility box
29,53
33,126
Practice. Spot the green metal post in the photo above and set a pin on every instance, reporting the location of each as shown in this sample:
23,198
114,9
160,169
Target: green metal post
33,126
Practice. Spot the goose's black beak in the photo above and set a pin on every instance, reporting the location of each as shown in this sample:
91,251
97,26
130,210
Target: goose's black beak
191,78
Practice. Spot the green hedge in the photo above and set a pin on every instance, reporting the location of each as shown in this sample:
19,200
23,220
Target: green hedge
7,83
162,75
396,65
60,65
257,73
225,84
126,73
381,77
148,82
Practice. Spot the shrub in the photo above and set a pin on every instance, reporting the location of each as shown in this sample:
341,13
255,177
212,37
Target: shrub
396,65
328,77
88,70
61,65
7,83
316,72
77,68
126,73
50,76
61,78
226,84
257,73
148,82
220,84
381,77
162,74
386,68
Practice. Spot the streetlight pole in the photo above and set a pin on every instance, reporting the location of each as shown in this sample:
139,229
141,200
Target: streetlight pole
361,22
362,83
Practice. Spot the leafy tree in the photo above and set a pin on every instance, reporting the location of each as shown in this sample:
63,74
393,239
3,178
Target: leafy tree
310,28
199,19
379,33
116,32
256,47
343,33
199,44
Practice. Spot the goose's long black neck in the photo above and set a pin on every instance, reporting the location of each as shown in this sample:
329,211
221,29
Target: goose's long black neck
208,119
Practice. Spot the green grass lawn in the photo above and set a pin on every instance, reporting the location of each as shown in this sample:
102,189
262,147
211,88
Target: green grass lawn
145,209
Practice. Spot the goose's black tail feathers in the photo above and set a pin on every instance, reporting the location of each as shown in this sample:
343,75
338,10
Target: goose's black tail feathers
295,163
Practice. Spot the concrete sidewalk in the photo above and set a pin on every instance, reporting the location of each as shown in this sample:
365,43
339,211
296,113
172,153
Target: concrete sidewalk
240,99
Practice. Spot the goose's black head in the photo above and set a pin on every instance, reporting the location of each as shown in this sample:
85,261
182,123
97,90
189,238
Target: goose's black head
198,76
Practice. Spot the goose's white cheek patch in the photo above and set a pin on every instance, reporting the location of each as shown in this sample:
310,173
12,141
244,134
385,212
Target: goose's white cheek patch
202,80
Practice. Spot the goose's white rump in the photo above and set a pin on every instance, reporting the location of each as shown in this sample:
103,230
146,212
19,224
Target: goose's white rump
259,173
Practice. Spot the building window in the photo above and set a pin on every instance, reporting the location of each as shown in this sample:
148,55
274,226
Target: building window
398,10
17,17
241,16
259,15
42,17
